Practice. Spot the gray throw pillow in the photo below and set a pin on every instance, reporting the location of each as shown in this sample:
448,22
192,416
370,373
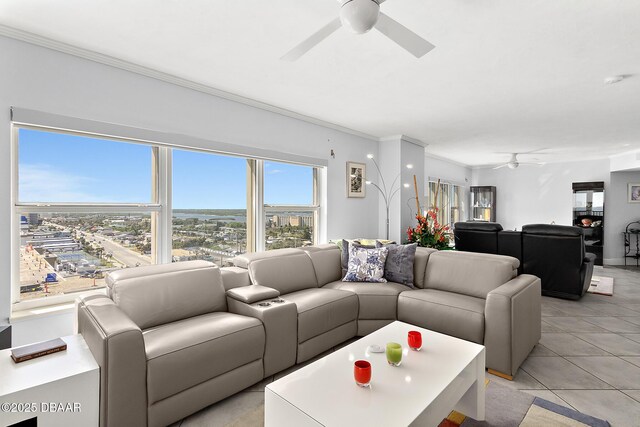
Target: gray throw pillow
399,264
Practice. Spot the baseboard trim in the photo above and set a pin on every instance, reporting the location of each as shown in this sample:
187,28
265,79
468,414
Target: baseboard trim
616,261
500,374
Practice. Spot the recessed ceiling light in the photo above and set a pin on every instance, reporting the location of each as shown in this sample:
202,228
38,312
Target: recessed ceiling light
613,79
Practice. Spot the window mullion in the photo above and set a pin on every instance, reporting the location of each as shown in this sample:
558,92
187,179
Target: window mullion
259,208
164,217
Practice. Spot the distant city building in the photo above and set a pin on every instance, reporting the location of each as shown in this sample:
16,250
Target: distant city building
34,219
291,220
306,221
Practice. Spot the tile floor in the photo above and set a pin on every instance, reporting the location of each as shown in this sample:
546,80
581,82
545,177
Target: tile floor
588,359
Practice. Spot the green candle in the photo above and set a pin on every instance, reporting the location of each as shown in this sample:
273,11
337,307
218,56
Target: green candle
394,354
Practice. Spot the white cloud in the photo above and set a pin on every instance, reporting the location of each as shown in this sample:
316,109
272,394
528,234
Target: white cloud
44,183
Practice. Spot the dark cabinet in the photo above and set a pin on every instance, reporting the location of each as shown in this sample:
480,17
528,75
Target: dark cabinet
483,203
588,214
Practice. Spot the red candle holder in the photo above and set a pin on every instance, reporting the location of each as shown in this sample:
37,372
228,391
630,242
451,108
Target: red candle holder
362,373
415,340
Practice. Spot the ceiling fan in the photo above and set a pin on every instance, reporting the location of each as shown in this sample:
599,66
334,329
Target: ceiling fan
360,16
513,163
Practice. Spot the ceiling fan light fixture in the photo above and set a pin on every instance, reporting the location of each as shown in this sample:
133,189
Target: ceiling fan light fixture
513,165
359,16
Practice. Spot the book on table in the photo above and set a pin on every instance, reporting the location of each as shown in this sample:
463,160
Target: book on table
40,349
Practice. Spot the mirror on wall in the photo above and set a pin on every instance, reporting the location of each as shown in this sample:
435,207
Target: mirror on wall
588,214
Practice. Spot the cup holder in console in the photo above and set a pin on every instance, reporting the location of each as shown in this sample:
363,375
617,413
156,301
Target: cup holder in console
277,301
264,304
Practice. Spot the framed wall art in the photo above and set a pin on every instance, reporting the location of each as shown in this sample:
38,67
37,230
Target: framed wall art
634,193
356,176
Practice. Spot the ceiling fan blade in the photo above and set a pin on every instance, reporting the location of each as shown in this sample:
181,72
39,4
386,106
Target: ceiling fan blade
403,36
502,166
533,163
312,40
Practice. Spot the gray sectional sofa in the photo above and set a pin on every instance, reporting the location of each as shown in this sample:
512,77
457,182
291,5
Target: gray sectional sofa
172,339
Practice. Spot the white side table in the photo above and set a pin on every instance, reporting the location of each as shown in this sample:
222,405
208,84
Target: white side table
60,389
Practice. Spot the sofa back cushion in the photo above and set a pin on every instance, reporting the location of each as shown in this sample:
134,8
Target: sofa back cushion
244,260
477,236
287,273
420,265
469,273
326,262
164,293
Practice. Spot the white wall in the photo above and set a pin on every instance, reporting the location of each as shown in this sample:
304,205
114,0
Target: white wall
42,79
394,155
412,154
447,171
540,194
389,158
618,213
43,327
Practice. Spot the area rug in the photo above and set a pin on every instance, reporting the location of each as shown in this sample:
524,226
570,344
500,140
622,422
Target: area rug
601,285
506,407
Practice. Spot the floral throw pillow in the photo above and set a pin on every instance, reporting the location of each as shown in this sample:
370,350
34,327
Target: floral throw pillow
366,265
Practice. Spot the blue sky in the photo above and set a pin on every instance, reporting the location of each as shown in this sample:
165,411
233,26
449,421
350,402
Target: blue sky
66,168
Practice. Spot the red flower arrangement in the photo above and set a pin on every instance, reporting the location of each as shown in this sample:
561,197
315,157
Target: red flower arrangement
429,233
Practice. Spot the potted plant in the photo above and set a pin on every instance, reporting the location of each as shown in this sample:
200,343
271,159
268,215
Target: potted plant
429,233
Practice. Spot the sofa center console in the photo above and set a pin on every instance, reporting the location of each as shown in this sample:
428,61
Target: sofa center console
280,320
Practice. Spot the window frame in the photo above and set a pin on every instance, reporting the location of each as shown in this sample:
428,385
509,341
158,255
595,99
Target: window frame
445,213
314,207
154,209
160,208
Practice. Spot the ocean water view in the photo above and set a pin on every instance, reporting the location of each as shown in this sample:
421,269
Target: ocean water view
204,217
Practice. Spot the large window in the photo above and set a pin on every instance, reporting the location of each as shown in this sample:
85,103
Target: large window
86,205
290,205
449,199
209,206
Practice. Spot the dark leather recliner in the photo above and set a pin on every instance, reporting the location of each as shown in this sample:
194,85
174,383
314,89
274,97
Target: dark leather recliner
557,255
477,236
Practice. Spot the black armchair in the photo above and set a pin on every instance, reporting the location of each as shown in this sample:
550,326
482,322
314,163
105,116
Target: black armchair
556,254
477,236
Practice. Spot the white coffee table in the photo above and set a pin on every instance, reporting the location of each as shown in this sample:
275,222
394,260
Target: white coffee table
447,374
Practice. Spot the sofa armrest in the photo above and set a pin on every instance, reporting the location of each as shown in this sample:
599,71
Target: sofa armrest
117,345
280,322
512,323
253,293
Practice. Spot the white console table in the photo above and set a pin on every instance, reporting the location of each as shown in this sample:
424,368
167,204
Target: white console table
60,389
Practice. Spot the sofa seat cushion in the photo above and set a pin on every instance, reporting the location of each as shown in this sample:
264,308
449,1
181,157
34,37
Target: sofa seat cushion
320,310
457,315
378,301
188,352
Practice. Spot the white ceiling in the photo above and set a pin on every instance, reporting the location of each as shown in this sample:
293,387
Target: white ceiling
506,75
